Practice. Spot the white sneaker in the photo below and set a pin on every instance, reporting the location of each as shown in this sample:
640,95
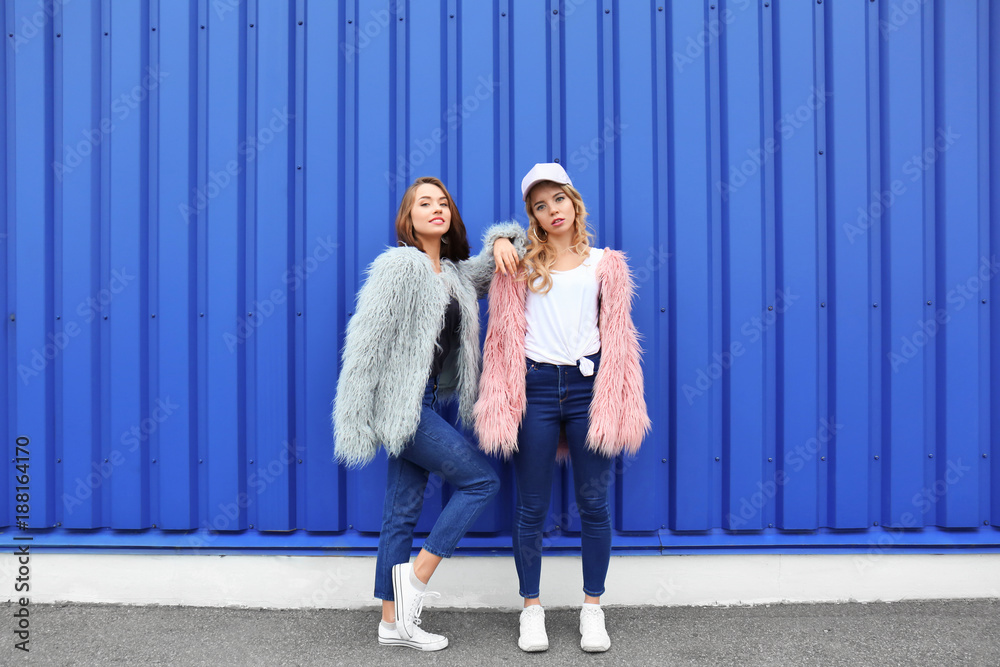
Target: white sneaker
595,638
533,637
388,635
409,600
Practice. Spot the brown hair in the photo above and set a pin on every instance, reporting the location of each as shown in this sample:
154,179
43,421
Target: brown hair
454,244
539,259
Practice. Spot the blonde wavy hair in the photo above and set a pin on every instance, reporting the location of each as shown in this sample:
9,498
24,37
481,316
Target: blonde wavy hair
539,258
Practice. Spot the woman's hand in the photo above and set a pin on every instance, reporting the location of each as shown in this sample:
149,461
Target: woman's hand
505,257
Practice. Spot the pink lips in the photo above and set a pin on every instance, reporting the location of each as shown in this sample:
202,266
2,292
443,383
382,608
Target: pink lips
558,221
437,221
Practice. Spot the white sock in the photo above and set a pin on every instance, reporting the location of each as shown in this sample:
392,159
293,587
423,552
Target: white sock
419,585
595,605
388,626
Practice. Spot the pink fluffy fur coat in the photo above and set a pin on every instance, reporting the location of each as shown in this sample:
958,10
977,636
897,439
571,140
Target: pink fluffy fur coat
618,418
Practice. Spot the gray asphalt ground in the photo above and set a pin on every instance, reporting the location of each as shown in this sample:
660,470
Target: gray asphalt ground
952,632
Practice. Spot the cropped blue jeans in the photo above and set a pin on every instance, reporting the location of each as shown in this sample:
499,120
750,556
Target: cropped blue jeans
436,447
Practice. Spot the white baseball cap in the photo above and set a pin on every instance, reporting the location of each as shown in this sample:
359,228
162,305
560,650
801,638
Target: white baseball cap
544,171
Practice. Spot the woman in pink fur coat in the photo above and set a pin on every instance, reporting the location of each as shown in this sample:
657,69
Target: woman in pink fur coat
561,371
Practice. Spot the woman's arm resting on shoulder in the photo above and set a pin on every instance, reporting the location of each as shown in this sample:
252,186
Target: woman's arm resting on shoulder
495,256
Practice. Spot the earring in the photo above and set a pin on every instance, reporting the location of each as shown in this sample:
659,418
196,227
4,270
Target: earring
444,239
540,239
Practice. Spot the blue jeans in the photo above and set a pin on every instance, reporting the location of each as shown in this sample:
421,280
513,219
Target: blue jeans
559,397
436,447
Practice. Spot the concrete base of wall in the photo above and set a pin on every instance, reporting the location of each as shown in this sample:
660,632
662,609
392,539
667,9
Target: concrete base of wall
475,582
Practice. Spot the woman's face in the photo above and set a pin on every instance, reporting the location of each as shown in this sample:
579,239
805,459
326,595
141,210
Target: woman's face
553,209
430,212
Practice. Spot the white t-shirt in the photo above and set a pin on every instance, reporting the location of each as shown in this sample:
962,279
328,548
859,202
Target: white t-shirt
562,323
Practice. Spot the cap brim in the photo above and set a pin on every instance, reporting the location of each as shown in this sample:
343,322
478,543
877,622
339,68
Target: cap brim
527,190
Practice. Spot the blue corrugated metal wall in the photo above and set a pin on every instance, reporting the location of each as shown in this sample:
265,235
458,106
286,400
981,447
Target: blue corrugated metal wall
192,189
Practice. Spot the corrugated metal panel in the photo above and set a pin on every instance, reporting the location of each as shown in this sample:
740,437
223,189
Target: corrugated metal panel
193,189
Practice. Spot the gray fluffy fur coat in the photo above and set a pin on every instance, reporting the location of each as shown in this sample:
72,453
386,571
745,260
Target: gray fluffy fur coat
390,344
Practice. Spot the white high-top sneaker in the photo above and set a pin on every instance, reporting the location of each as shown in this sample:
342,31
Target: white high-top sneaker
409,599
594,636
388,635
533,637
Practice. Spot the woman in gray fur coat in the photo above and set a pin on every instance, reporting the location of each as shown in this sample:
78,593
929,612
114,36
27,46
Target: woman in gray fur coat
412,343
